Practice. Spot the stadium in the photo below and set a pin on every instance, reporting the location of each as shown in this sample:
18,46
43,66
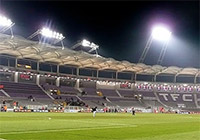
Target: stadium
47,91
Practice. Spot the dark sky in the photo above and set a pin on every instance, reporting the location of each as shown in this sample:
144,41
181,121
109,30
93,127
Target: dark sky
121,29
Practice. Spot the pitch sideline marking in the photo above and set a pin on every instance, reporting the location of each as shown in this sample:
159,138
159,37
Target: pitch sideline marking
71,129
121,124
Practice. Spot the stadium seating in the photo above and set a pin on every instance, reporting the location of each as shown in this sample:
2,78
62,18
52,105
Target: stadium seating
108,97
63,89
126,93
177,100
146,94
126,102
109,92
90,91
23,90
64,97
95,101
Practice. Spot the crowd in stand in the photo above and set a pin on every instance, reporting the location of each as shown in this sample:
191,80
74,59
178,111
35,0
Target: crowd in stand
31,98
68,100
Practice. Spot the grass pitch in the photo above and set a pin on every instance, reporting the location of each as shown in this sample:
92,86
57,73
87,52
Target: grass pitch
82,126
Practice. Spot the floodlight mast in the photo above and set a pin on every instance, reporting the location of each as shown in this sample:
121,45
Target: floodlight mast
94,47
166,35
146,49
6,24
161,34
86,43
47,33
162,53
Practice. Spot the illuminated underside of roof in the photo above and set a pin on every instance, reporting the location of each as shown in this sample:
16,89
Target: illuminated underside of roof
23,48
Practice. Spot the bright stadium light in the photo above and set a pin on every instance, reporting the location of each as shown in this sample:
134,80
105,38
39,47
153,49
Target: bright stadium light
161,33
51,34
85,43
94,46
5,22
54,37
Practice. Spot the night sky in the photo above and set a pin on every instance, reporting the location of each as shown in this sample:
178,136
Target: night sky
121,29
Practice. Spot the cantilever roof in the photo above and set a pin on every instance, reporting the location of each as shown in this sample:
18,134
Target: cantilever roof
23,48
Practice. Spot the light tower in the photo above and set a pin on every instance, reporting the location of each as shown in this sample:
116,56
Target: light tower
6,24
159,33
49,34
87,44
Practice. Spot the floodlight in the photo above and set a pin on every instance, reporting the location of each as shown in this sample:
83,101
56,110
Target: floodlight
161,33
85,43
46,32
5,21
51,34
94,46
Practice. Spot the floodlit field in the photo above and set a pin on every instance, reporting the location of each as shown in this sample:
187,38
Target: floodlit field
82,126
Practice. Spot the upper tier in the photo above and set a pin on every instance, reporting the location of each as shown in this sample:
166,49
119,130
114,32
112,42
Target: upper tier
23,48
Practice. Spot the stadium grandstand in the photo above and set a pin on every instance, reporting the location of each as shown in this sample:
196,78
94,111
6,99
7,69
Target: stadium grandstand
99,71
38,75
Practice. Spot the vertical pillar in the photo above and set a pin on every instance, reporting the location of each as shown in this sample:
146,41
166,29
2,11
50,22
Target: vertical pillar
16,62
58,81
58,69
38,79
77,71
135,77
195,79
77,83
132,77
154,80
116,77
175,79
92,73
38,66
16,77
97,73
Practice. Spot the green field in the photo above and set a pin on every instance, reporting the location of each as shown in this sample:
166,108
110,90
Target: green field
82,126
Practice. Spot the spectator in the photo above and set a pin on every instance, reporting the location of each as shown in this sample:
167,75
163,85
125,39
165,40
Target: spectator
5,108
2,109
14,103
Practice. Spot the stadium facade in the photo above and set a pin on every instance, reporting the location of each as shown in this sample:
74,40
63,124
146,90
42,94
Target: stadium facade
33,69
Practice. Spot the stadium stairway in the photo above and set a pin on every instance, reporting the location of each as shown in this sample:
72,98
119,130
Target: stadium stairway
21,91
118,93
78,98
46,92
93,100
2,92
159,100
79,90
